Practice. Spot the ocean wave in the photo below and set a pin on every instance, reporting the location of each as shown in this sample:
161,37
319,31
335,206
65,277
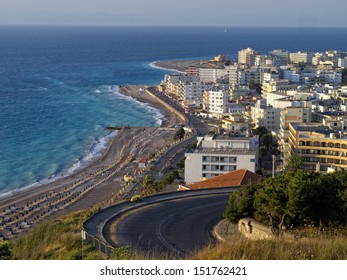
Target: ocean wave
156,113
92,154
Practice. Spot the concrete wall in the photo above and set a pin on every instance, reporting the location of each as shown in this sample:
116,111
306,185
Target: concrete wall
180,115
255,230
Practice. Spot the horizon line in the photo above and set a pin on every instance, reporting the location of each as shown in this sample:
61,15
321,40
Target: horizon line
166,26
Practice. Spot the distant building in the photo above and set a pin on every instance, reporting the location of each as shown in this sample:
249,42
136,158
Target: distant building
220,154
248,56
238,91
191,94
300,57
276,85
342,62
290,115
265,116
235,124
216,102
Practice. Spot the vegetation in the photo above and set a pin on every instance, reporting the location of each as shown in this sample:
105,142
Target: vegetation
255,86
180,164
150,186
179,134
243,249
52,240
292,200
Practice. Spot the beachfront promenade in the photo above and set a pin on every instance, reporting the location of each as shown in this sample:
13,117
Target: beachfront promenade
19,213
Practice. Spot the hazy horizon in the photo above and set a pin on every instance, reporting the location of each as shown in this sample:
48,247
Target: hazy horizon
230,13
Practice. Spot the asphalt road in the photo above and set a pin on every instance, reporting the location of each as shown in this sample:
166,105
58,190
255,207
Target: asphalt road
178,226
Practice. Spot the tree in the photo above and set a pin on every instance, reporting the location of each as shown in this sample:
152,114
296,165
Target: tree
262,152
240,204
261,130
255,86
179,134
148,184
5,250
266,140
295,163
271,202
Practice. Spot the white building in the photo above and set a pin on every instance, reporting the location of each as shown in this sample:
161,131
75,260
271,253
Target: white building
247,56
265,116
331,77
216,102
342,62
191,94
219,154
300,57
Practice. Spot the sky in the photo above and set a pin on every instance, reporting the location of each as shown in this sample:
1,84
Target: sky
292,13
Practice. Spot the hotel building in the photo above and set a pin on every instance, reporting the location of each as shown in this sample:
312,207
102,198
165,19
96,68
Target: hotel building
219,154
319,146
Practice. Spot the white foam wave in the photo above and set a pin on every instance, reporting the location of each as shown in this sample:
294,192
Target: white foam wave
158,115
93,153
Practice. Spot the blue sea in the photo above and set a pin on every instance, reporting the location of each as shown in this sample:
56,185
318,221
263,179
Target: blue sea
59,85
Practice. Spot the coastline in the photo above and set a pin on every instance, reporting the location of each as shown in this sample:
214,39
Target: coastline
82,199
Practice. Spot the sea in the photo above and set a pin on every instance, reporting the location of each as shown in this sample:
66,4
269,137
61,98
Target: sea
59,85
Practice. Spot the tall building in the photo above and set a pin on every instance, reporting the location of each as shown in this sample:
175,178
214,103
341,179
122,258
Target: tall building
247,56
191,93
219,154
289,115
216,102
342,62
319,146
265,116
300,57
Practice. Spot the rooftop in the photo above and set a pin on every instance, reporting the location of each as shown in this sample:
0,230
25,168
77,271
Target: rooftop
223,151
235,178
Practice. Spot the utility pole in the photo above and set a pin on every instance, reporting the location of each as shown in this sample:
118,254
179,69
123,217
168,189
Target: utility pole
273,165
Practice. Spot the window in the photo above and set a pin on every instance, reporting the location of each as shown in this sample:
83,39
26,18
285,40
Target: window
232,159
252,160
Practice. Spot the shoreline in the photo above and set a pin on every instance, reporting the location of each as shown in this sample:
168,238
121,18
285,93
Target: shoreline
85,198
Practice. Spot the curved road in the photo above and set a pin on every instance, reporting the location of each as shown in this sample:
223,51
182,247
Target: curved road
176,226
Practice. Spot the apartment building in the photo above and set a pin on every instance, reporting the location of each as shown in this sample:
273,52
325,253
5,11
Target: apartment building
216,102
330,77
247,56
319,146
298,115
280,53
235,124
300,57
276,85
265,116
246,76
238,91
191,94
342,62
219,154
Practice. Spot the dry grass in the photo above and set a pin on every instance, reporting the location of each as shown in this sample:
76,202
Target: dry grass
243,249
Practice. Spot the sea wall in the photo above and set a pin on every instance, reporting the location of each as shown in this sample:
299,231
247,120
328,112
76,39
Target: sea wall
180,115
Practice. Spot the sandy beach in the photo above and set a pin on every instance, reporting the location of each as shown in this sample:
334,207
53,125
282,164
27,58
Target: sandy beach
99,183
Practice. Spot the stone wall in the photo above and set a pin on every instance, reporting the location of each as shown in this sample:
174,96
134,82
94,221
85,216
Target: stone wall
255,230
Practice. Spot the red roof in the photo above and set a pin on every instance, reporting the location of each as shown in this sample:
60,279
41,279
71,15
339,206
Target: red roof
240,177
143,160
